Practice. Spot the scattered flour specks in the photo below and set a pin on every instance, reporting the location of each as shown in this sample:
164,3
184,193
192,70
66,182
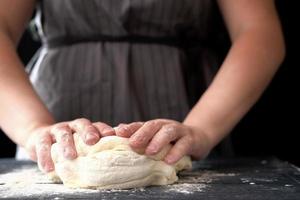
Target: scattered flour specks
32,190
28,182
186,188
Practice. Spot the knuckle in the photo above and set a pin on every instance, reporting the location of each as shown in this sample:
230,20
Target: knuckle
59,127
136,125
81,120
122,124
146,132
63,131
170,127
60,133
43,140
65,137
139,123
42,149
119,127
54,128
99,124
188,140
127,128
170,130
151,123
90,127
80,123
131,128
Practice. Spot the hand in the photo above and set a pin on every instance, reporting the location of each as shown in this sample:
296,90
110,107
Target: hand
39,143
155,134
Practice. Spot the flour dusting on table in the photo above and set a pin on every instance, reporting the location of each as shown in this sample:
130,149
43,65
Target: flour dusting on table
186,188
28,181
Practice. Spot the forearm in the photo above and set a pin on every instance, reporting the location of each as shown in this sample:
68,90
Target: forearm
248,68
21,109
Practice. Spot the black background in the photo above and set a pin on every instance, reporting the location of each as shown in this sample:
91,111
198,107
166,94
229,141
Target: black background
271,127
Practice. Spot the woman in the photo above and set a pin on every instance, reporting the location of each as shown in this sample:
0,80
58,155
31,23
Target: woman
112,62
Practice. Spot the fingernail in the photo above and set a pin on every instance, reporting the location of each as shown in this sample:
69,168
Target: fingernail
169,160
45,167
152,150
49,168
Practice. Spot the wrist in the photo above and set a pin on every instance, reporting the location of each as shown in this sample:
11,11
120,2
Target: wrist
32,137
33,128
209,127
203,143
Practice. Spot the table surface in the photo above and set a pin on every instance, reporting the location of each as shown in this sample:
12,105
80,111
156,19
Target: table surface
244,178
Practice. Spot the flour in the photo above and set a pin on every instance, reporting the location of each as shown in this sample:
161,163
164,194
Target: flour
23,176
35,190
198,183
253,181
29,182
186,188
204,176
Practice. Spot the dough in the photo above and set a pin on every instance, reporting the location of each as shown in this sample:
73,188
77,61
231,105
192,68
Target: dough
112,164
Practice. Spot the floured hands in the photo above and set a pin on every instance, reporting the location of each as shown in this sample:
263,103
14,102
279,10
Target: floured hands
153,135
39,143
150,136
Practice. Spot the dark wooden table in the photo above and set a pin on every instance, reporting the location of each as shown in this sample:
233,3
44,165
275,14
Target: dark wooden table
210,179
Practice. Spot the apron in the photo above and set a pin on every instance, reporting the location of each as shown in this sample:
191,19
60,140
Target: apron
120,61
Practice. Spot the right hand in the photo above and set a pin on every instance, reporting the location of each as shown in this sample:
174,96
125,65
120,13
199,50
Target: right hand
39,143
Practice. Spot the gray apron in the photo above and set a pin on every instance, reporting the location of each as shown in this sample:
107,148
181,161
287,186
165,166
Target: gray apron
118,61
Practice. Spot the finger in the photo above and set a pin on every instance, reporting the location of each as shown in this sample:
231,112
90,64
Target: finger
104,129
142,136
164,136
89,134
43,152
180,149
64,137
127,130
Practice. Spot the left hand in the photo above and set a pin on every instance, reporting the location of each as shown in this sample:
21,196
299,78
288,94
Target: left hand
153,135
41,138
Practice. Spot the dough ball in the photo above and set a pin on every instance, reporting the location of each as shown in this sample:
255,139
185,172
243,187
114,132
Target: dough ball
112,164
